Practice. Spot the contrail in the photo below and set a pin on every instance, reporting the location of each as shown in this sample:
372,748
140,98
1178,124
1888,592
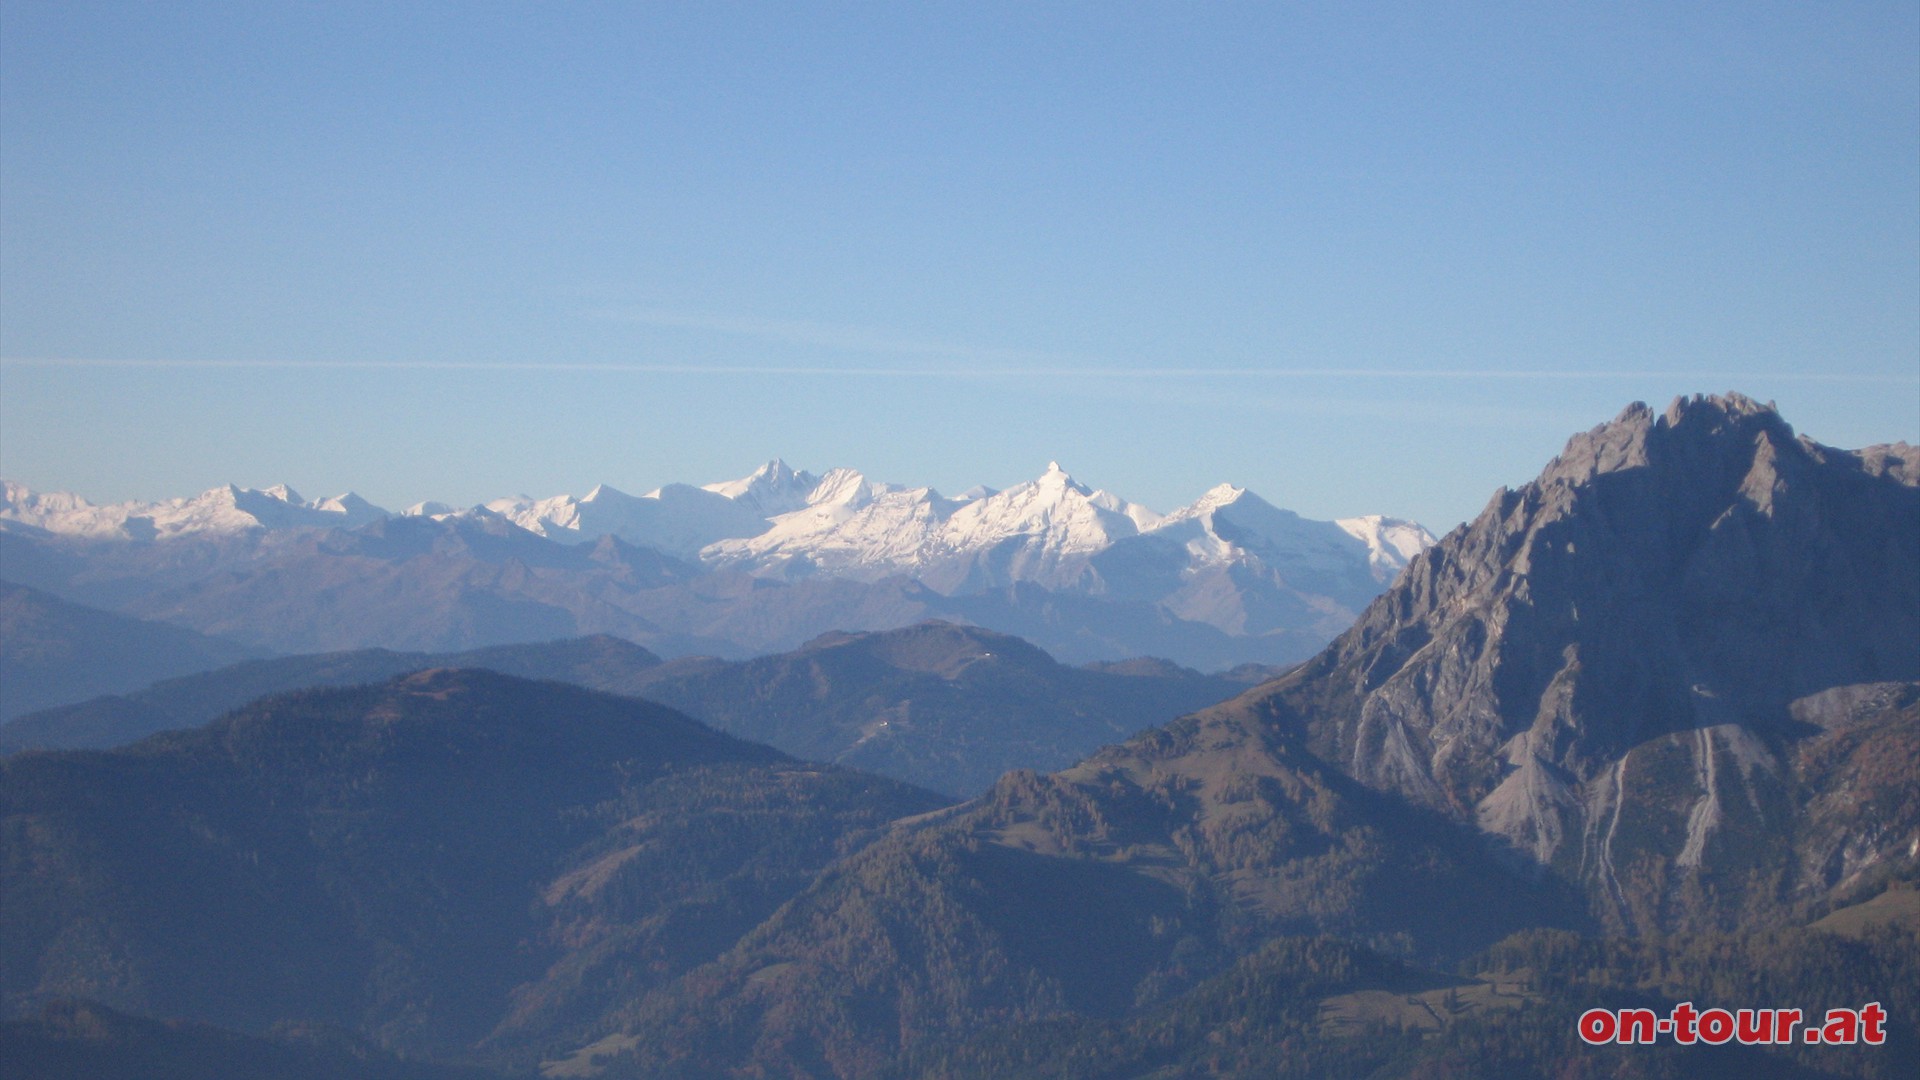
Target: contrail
968,372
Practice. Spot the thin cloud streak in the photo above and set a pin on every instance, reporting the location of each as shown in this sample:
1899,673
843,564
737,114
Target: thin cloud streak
826,335
963,373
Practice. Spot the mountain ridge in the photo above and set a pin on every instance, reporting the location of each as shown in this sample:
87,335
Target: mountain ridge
1665,691
944,706
1678,585
1065,517
1399,783
685,569
51,648
447,858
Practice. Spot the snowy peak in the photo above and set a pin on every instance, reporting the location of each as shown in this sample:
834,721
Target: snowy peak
1056,479
784,523
847,489
852,527
225,509
545,517
1231,535
1220,495
1216,497
281,507
356,510
232,508
605,494
1245,520
1230,524
1059,511
678,519
1391,542
429,509
1042,530
771,490
18,502
60,512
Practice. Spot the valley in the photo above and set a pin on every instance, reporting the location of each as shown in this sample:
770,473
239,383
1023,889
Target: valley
1646,728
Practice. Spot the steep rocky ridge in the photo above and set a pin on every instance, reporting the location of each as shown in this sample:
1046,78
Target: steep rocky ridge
1603,669
1671,684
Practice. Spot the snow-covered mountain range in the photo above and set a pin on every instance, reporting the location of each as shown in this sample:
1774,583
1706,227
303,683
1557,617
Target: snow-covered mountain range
746,566
222,510
779,523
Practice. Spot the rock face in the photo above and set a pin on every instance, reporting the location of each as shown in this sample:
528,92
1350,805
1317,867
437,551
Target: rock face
1673,684
1112,885
1613,668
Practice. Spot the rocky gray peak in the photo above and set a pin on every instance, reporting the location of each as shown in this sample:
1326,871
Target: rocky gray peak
1690,427
1683,469
1600,668
1897,461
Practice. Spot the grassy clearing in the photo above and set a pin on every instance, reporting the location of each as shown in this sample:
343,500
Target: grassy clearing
1429,1008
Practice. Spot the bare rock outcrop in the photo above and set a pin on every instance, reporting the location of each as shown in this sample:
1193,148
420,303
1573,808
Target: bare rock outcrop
1601,670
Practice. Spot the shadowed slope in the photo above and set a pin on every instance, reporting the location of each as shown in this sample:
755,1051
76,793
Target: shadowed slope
447,856
600,662
53,651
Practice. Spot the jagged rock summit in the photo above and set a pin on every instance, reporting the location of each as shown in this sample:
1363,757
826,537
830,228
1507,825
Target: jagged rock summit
1673,684
1622,668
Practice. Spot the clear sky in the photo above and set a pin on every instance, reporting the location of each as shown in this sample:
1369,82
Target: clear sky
1357,257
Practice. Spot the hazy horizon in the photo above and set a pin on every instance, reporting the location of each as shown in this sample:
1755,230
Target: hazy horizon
1364,259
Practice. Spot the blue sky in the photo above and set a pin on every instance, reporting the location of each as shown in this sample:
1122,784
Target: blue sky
1359,258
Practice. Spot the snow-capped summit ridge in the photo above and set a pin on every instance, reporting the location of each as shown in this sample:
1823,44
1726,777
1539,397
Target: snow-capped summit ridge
604,493
1391,542
1214,498
781,522
429,509
1056,477
772,489
346,502
224,509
